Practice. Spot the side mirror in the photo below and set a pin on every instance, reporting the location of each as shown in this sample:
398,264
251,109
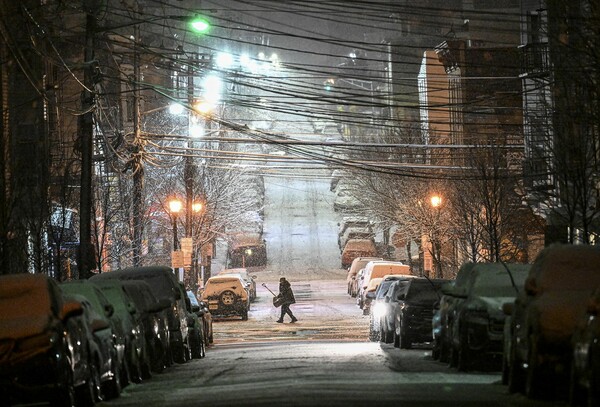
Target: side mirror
531,287
71,309
386,299
508,308
447,289
592,307
109,310
98,325
176,293
131,308
162,304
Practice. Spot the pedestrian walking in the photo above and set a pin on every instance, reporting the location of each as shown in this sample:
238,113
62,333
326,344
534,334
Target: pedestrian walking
287,298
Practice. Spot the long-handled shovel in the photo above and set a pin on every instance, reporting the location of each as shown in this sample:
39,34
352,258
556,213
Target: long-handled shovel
277,300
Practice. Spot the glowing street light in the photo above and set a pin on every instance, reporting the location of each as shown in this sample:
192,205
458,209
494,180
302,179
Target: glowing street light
175,207
200,25
436,201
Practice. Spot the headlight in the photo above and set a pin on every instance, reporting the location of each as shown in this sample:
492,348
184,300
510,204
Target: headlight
378,310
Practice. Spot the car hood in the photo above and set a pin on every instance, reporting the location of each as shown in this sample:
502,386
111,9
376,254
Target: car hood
557,313
493,305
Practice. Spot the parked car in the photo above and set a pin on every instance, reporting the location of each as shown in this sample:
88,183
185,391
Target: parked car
545,313
412,317
584,386
136,352
96,335
378,269
247,250
226,296
353,222
444,314
345,199
103,307
201,309
357,264
35,355
387,320
164,285
477,328
381,305
368,294
195,328
355,233
248,279
153,313
357,248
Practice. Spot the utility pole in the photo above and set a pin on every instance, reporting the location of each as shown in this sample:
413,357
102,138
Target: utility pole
138,169
189,170
86,137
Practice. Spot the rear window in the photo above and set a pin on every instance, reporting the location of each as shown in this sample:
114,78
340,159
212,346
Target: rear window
160,285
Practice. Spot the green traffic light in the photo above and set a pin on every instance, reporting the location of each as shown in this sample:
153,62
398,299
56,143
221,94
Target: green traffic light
200,25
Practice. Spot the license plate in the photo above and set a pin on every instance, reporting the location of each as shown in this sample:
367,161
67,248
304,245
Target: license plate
213,306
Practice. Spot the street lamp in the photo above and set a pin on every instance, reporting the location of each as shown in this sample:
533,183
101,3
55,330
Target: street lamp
436,203
175,206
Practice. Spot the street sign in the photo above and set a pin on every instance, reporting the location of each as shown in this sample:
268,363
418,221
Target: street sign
187,246
177,259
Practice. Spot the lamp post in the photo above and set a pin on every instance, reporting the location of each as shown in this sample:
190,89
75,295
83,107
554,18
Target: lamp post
436,204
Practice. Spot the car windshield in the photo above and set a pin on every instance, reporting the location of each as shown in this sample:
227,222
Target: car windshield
383,288
421,292
493,282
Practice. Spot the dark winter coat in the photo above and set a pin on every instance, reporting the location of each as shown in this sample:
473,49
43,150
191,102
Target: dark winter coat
285,292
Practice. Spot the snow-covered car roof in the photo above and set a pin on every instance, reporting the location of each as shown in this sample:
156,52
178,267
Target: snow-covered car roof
359,244
374,283
493,279
216,284
567,268
28,303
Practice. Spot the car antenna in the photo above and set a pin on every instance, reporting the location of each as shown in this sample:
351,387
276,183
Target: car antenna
512,279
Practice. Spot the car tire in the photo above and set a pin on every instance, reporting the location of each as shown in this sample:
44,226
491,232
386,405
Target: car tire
534,383
196,342
465,358
374,335
504,369
159,356
593,394
444,350
404,341
515,372
244,315
112,388
64,394
576,392
435,349
179,351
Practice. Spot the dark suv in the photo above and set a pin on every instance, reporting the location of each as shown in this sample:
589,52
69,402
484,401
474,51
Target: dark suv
545,314
444,315
164,285
414,311
35,355
478,325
